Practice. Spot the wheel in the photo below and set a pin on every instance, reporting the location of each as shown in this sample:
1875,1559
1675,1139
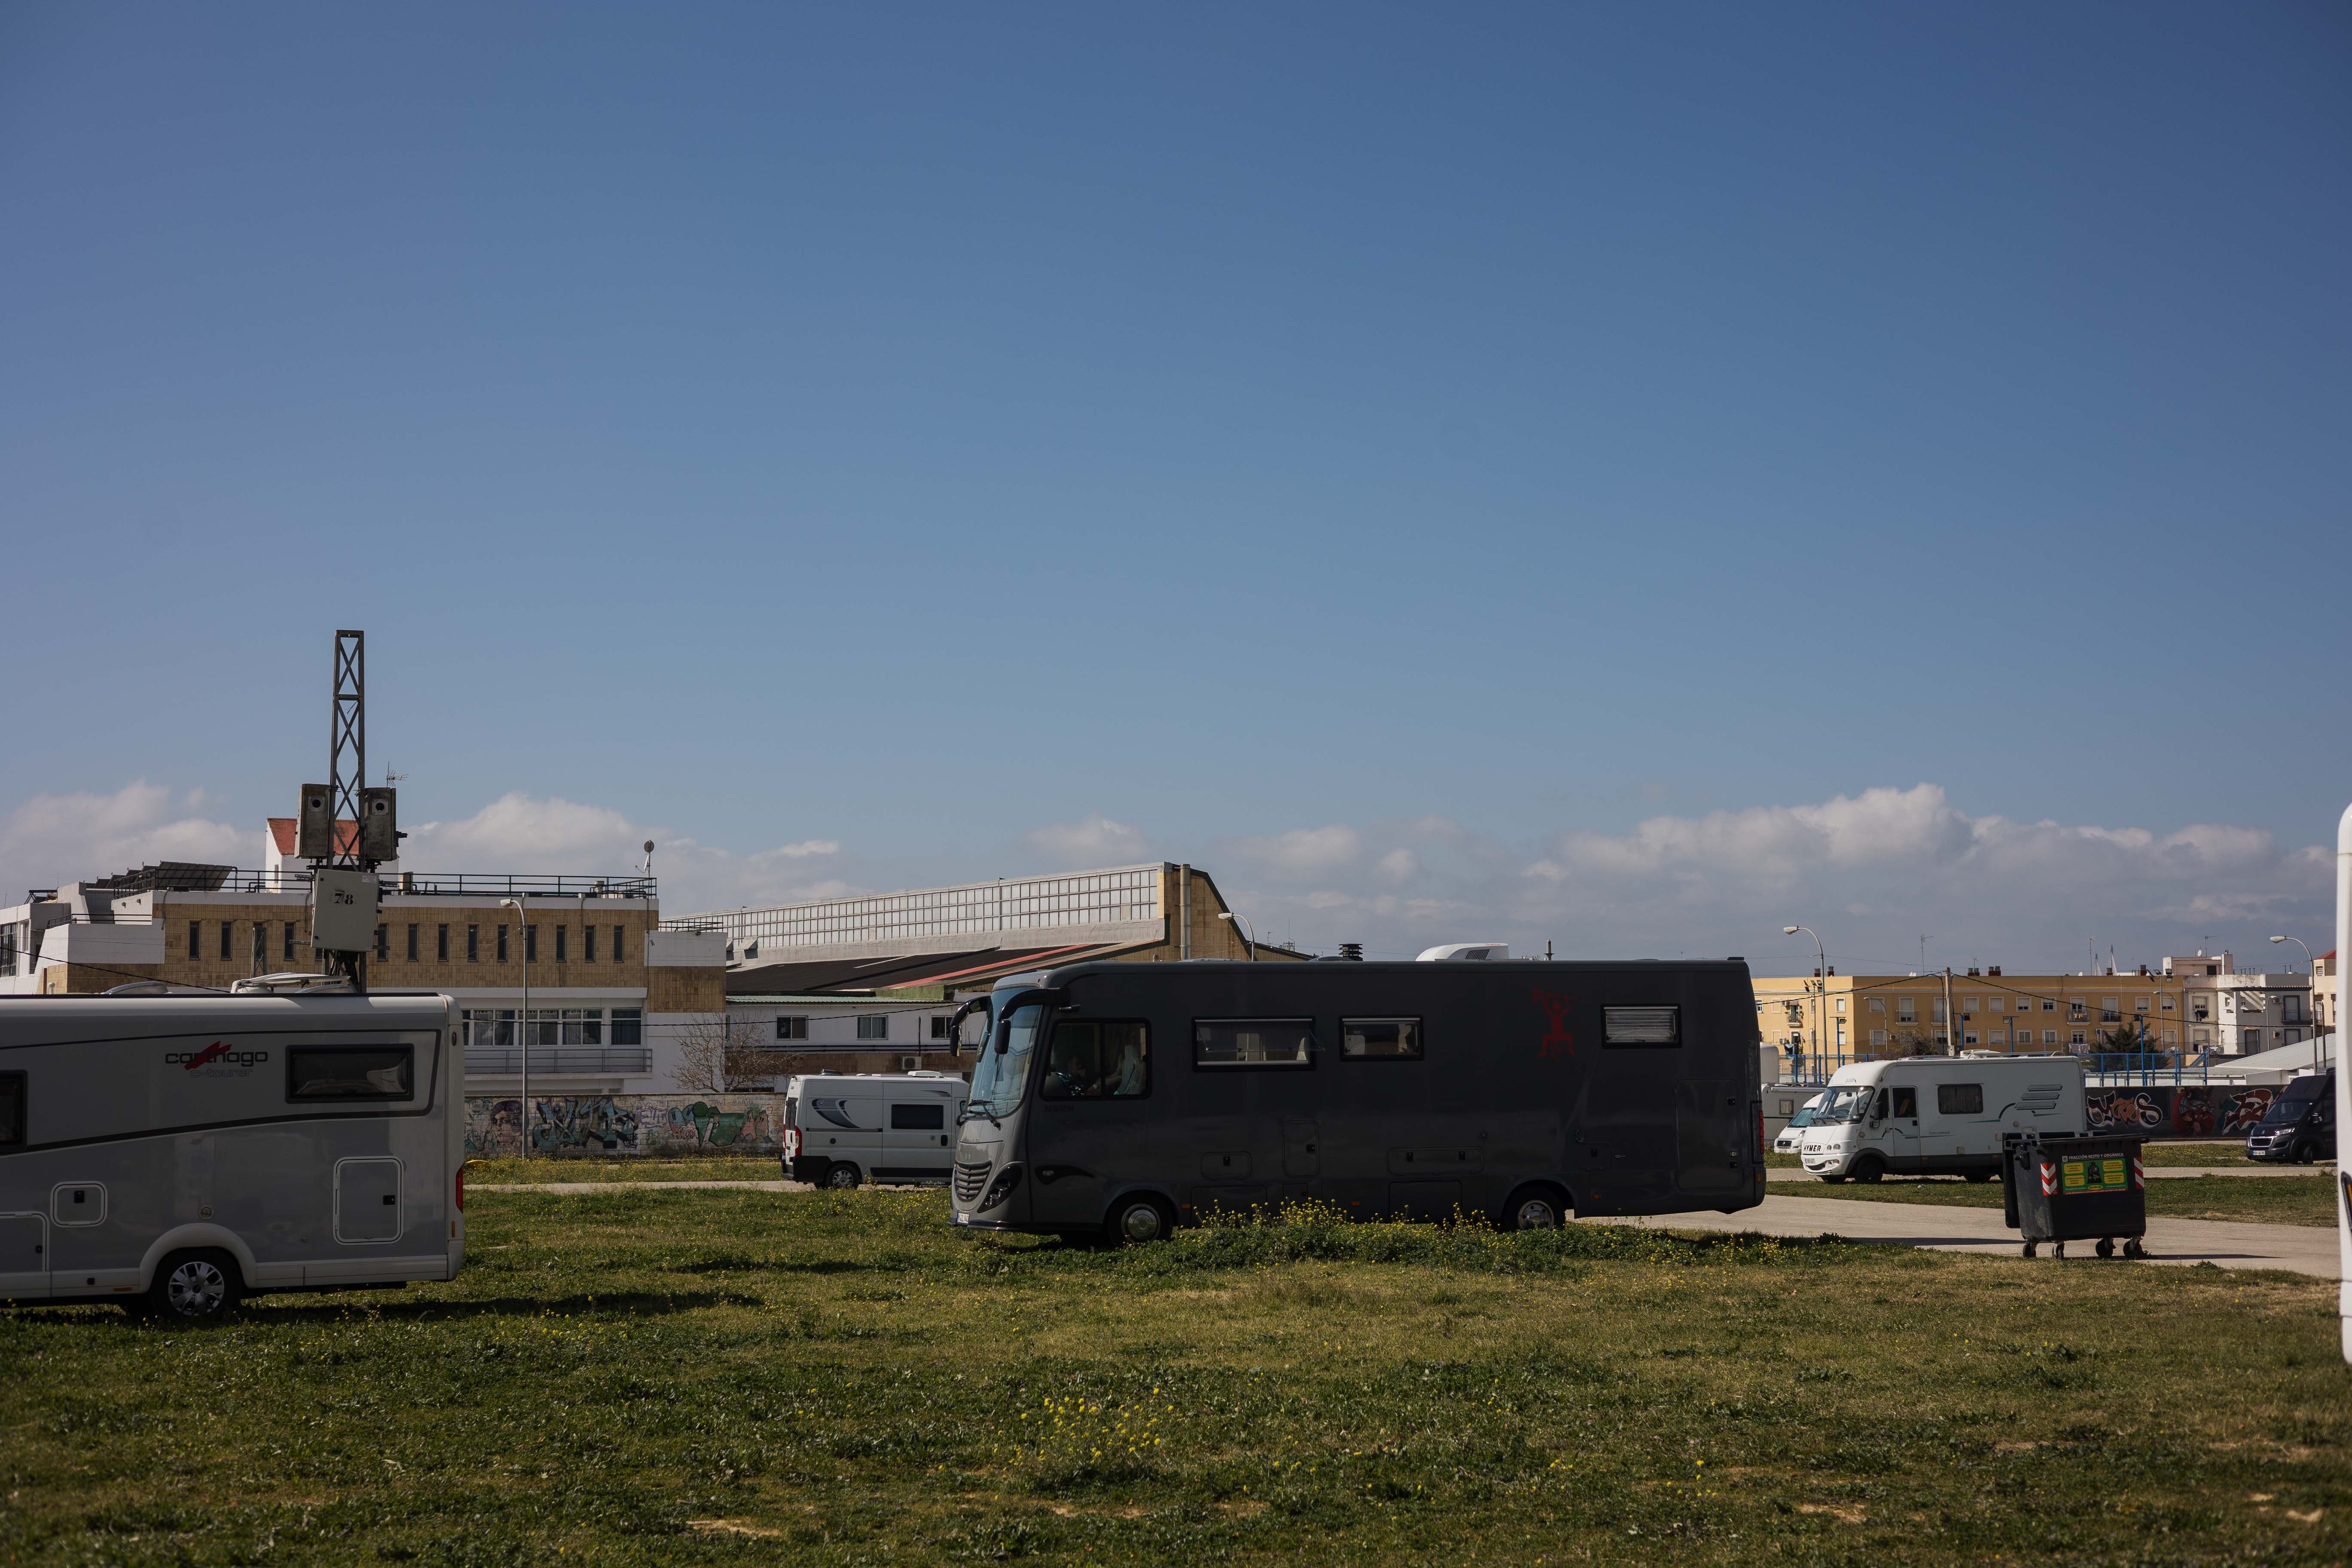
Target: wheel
2033,1249
2106,1248
1979,1177
841,1175
1834,1181
1869,1168
2304,1153
195,1287
1534,1208
2132,1247
1139,1219
2059,1250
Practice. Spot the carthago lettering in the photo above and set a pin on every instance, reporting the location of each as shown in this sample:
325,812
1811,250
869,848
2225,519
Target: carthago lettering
217,1053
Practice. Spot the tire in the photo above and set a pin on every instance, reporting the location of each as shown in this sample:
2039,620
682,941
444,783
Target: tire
2031,1249
199,1287
1138,1220
2304,1153
1869,1168
841,1175
2133,1248
1834,1181
2106,1248
1979,1176
1534,1208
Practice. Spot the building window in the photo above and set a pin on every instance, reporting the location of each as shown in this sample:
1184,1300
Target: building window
2252,1040
412,944
195,939
1970,1005
938,1026
874,1025
587,944
2111,1010
226,934
560,944
290,939
441,944
1993,1004
260,944
384,943
2171,1036
2079,1040
1841,1037
530,944
2077,1012
628,1026
1878,1003
620,949
2164,1003
1968,1038
473,945
2050,1005
1841,1003
792,1029
1907,1010
1935,1011
1877,1036
502,944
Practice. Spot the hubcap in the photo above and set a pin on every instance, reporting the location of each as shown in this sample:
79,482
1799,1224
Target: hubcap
1142,1223
1536,1214
842,1177
195,1289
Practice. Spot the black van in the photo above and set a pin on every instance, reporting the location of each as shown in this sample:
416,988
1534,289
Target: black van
2300,1126
1127,1099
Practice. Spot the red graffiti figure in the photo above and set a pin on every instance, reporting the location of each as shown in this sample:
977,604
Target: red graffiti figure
1562,1040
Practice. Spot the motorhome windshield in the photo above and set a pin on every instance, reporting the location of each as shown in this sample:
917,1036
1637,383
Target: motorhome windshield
1804,1118
2294,1099
1002,1075
1847,1102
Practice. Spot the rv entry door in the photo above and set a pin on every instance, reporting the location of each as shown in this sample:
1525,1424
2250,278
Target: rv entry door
24,1256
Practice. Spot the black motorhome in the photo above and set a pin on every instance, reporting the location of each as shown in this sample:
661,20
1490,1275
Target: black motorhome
1125,1098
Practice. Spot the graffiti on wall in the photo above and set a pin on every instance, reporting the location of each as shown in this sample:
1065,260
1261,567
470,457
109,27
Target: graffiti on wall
596,1124
2190,1110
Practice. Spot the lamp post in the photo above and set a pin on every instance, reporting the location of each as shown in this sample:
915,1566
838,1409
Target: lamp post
1820,989
1249,943
522,1015
2312,969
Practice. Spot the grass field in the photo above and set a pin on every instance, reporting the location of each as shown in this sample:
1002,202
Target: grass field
2276,1200
744,1377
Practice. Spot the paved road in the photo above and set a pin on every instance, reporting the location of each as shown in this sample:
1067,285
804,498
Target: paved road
2303,1249
2325,1168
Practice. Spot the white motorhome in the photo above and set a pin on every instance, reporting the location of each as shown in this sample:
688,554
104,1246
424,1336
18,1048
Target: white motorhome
173,1153
1790,1139
1939,1115
841,1128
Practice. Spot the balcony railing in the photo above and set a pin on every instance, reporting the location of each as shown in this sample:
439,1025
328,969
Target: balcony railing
607,1060
297,879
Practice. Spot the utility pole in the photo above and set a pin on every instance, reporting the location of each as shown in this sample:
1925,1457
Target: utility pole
343,889
1951,1019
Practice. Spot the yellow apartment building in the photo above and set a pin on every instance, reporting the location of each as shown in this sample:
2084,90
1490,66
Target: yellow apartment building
1864,1016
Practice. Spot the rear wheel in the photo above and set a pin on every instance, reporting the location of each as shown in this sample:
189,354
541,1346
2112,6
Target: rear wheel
1139,1219
1834,1181
2304,1153
841,1175
2106,1248
1869,1168
1534,1208
1980,1175
195,1287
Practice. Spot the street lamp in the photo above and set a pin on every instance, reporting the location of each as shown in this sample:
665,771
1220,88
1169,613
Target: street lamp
522,1016
1820,989
2313,970
1249,943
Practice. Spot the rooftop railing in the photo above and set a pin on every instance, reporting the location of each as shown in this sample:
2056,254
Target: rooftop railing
446,884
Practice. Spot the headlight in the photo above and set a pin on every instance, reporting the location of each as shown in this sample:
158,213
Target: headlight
1000,1189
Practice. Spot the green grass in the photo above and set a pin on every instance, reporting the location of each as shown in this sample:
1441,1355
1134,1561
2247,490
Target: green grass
681,1377
2265,1200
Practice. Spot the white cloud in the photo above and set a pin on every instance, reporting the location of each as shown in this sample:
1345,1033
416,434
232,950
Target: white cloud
56,838
1097,841
1302,849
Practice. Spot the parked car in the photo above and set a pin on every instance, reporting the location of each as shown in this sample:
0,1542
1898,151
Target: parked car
1939,1115
2300,1126
841,1128
1792,1136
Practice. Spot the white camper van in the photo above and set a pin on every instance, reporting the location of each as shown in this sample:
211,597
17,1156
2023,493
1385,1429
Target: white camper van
1939,1115
841,1128
173,1153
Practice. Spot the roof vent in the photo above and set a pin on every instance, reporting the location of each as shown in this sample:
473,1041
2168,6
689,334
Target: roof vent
1353,952
1464,952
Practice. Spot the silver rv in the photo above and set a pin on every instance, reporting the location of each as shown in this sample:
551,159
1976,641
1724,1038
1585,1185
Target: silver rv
173,1153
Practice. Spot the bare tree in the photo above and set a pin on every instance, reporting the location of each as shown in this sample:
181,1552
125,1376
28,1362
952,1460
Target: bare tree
725,1055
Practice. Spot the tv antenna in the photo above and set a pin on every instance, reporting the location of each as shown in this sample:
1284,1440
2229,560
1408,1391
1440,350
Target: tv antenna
343,890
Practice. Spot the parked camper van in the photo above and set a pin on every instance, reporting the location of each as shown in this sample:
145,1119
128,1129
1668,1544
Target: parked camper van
1123,1098
173,1153
1791,1138
2300,1125
1939,1115
841,1128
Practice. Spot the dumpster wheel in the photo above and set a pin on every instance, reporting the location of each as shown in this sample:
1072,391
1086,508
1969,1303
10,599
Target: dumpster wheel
2106,1248
2132,1249
2031,1249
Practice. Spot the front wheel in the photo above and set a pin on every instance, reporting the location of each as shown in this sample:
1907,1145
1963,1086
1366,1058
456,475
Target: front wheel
195,1287
1537,1208
2304,1153
1869,1169
1834,1181
841,1177
1138,1220
1979,1176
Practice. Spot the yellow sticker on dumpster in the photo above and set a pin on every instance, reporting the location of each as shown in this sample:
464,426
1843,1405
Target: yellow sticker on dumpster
2108,1173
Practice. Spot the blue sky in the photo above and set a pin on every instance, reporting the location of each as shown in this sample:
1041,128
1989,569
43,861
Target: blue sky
982,438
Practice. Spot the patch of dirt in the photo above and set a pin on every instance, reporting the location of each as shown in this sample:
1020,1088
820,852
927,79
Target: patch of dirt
1844,1513
2301,1518
1067,1510
731,1527
2026,1446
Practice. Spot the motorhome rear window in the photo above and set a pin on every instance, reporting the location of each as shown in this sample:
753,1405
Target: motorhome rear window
1640,1025
351,1072
1381,1040
11,1110
1959,1098
1252,1042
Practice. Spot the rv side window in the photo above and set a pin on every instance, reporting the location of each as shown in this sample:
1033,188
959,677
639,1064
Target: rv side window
351,1072
1959,1098
11,1110
1382,1039
1252,1042
918,1118
1640,1026
1099,1059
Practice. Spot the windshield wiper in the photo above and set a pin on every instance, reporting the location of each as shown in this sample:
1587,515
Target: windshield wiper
972,1108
